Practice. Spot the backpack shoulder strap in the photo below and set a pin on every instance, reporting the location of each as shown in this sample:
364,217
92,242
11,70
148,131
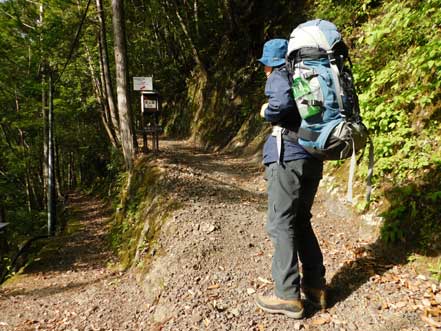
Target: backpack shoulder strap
336,78
286,70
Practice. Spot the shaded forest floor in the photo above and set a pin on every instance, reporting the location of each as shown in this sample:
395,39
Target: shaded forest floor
214,257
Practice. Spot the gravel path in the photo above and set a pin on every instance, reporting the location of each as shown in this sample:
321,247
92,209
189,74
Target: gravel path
214,257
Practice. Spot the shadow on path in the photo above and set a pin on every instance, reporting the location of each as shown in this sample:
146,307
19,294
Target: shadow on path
49,290
82,245
213,177
376,259
411,222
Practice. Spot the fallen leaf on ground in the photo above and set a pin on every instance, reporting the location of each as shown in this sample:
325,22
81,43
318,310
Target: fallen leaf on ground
319,321
434,312
251,291
263,280
325,318
426,302
429,320
213,287
401,304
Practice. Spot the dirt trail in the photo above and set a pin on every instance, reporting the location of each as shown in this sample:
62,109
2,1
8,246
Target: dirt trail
214,257
70,287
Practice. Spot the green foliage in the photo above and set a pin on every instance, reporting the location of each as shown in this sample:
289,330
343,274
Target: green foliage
391,233
435,270
27,45
142,203
346,14
396,52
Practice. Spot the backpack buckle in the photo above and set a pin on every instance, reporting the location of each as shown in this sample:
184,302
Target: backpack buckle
331,56
309,75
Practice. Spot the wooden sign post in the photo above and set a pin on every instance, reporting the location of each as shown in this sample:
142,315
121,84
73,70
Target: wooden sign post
150,108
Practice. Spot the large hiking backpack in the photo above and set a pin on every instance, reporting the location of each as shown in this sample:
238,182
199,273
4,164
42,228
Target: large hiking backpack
324,91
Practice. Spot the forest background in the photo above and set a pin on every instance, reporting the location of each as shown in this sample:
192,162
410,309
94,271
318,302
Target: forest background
202,55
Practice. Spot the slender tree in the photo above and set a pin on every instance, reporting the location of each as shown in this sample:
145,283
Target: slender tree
105,71
124,110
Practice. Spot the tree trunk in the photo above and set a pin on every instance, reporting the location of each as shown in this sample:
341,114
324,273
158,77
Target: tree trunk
107,127
38,181
229,15
33,181
105,101
71,175
196,16
45,134
21,143
194,50
106,77
51,185
2,214
44,112
99,93
59,179
122,83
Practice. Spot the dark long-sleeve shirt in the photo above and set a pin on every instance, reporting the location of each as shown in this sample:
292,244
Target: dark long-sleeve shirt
282,111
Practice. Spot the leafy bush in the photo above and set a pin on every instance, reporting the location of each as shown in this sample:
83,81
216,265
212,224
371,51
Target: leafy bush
397,56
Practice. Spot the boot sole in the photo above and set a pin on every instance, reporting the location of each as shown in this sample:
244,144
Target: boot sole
290,314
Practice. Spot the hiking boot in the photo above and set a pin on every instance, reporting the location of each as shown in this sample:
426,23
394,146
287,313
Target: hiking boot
272,304
316,296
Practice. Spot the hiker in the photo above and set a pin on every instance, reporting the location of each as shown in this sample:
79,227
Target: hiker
293,176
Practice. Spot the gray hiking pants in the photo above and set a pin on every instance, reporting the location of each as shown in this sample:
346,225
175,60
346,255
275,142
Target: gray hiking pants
291,189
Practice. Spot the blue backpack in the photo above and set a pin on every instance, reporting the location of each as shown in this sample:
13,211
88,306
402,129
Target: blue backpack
325,95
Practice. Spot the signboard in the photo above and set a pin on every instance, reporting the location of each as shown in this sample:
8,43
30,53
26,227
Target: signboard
143,83
150,104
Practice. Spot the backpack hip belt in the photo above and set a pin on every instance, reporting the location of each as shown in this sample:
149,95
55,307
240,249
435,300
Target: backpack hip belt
282,133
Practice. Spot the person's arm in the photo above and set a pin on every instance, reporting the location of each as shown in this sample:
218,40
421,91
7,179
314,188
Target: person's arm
280,100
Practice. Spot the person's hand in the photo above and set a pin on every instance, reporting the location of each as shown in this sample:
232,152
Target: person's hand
262,109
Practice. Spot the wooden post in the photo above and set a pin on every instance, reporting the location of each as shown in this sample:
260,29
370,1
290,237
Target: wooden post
145,148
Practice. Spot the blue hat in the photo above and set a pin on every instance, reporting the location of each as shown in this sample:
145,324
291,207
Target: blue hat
274,52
